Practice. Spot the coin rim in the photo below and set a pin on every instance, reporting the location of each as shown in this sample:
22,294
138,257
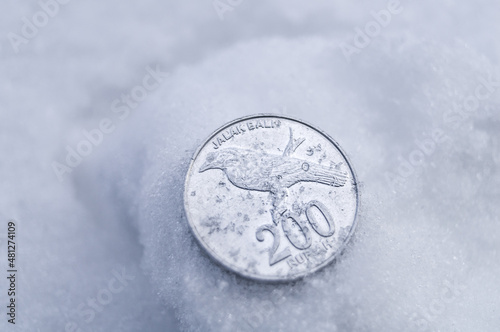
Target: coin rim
229,267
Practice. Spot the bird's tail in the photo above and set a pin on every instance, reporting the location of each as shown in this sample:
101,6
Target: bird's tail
331,177
293,144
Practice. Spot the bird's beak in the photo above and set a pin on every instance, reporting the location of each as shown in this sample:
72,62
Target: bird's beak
205,167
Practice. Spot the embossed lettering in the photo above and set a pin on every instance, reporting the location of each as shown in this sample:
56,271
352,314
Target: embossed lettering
301,258
313,205
273,259
288,223
220,140
229,135
327,245
235,131
292,262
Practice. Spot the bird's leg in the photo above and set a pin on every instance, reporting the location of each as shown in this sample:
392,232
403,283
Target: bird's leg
279,208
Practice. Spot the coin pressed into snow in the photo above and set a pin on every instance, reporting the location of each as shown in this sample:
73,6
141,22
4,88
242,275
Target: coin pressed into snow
271,198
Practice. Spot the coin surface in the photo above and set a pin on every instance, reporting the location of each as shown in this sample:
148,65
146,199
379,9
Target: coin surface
271,198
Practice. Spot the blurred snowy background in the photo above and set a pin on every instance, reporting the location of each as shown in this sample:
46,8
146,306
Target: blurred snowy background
102,104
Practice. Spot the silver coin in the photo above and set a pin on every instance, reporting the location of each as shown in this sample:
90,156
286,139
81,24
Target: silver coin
271,198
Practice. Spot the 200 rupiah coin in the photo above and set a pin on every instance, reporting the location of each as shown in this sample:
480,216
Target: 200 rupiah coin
271,198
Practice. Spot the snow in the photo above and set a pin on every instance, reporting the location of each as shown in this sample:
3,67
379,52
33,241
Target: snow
425,256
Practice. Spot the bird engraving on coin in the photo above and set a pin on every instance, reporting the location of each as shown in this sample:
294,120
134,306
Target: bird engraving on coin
260,171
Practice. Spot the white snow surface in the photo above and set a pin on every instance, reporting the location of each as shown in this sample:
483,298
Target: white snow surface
425,256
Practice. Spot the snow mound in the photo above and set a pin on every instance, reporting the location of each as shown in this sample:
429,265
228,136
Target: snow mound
420,124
